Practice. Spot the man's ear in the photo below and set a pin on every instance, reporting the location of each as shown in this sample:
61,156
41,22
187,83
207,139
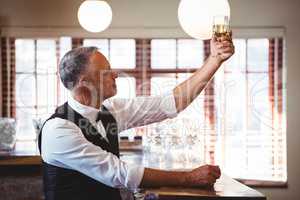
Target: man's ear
82,81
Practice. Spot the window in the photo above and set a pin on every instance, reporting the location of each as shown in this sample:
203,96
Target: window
250,112
163,54
176,59
38,88
125,87
238,121
120,52
121,55
172,53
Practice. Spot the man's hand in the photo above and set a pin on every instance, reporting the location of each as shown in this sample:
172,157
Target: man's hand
221,49
203,176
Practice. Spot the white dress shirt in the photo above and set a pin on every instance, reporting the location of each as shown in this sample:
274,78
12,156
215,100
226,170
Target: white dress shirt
64,145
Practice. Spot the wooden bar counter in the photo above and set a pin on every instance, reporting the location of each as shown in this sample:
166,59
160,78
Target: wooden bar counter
225,188
13,162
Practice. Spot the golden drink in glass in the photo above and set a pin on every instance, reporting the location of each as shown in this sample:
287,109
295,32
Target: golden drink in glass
221,27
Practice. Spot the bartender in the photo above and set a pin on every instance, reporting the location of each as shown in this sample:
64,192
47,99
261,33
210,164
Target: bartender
79,142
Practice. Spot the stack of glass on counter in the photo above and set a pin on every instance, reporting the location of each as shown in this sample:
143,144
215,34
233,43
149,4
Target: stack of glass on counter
173,145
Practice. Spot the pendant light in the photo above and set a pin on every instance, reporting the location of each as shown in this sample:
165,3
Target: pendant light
94,15
196,16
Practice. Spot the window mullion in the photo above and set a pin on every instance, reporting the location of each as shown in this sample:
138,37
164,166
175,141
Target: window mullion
35,77
109,48
147,66
143,66
57,54
176,57
245,136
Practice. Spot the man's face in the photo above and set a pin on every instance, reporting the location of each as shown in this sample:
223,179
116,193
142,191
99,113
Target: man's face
101,76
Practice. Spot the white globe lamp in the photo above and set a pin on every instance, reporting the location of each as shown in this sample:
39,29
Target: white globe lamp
196,16
94,15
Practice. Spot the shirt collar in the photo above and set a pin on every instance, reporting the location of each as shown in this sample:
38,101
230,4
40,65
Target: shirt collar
86,111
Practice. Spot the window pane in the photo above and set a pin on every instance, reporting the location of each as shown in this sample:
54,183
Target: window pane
235,103
258,54
238,61
25,90
259,155
235,155
44,112
161,85
183,76
190,53
244,154
25,129
24,55
260,118
125,87
47,90
63,93
46,56
102,44
122,53
65,45
163,53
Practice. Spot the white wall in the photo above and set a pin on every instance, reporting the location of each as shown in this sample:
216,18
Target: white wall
143,15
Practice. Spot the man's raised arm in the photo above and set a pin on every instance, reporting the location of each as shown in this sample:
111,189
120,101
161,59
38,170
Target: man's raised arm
187,91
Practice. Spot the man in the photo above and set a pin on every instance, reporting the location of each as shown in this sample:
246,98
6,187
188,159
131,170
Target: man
79,143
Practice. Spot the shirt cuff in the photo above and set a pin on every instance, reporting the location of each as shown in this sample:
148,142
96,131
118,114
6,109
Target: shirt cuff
134,177
168,105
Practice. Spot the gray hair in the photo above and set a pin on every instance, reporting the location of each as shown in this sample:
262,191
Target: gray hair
73,64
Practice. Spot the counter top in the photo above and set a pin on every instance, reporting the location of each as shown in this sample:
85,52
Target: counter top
225,188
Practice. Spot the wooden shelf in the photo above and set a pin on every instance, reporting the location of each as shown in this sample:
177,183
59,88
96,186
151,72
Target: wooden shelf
24,153
27,153
20,160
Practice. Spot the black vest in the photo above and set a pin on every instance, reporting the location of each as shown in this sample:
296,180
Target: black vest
66,184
